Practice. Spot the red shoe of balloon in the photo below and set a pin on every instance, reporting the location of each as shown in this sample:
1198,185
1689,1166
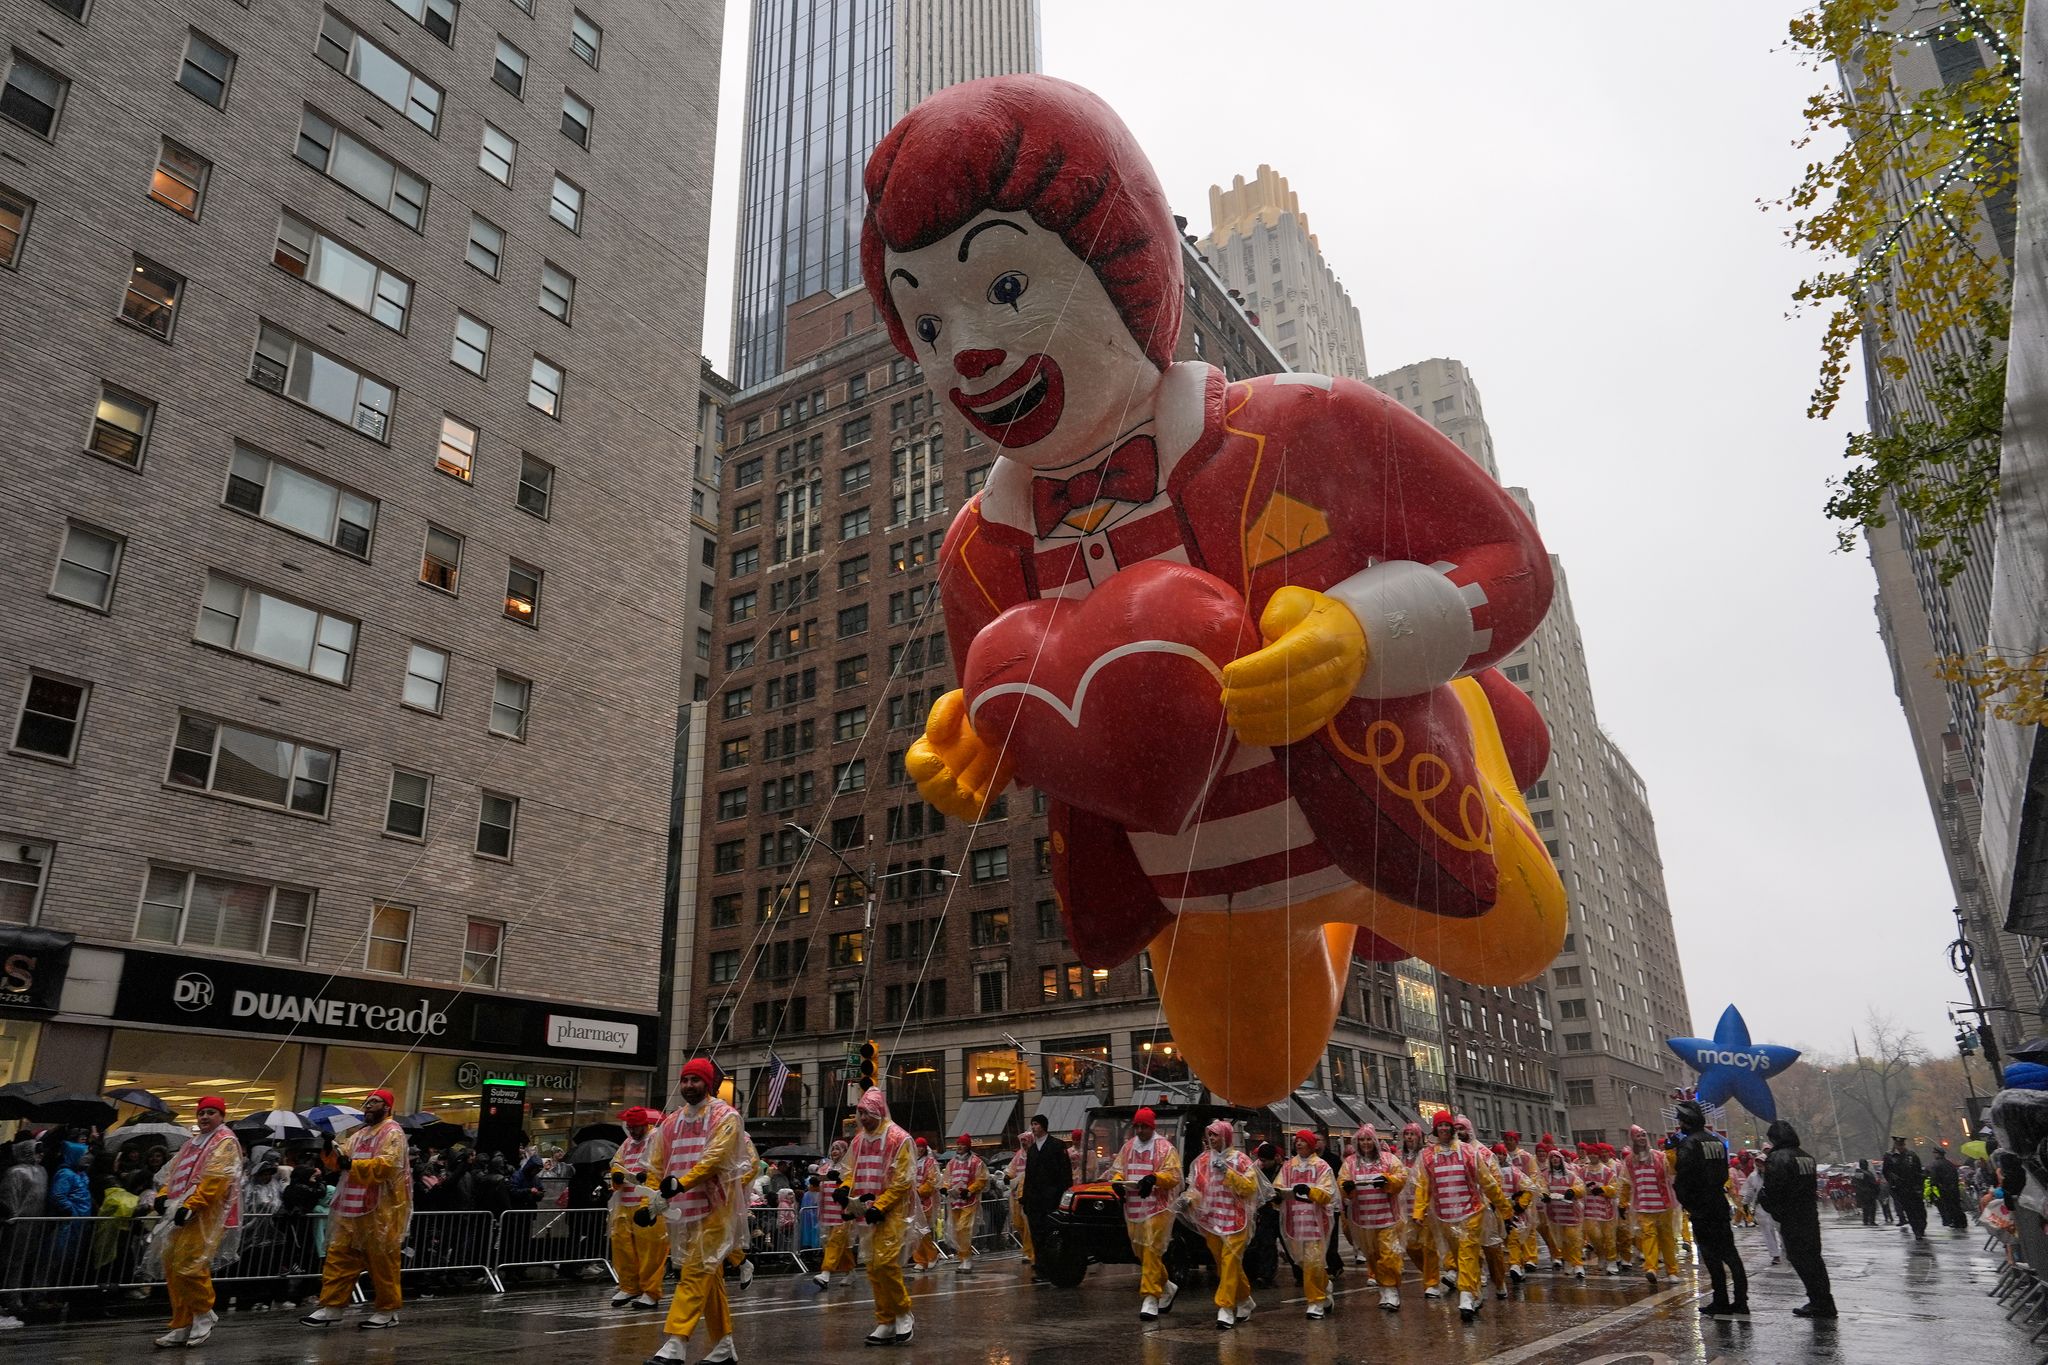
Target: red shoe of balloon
1241,634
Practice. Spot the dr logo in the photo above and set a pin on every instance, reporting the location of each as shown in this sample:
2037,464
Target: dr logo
193,991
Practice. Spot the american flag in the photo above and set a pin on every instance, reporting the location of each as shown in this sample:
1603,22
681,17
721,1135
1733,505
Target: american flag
778,1078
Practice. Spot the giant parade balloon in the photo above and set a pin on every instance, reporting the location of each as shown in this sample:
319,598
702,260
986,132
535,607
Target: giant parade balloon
1241,633
1732,1067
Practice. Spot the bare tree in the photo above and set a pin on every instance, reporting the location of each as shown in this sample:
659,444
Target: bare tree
1882,1076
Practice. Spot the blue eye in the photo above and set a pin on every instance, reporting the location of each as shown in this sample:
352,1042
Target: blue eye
1008,288
928,329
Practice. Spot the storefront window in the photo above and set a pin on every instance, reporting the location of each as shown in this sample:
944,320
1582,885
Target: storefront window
353,1072
1076,1064
1160,1060
917,1092
251,1074
997,1071
17,1054
602,1091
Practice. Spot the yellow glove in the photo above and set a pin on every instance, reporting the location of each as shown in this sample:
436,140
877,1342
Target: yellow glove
953,768
1314,656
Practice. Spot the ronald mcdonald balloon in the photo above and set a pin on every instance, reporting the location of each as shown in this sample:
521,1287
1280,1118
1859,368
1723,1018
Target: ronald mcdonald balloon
1241,633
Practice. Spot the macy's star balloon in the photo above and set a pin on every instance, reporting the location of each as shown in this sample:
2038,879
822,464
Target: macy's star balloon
1732,1067
1242,633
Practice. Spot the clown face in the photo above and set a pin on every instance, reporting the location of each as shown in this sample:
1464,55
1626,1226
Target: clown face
1038,358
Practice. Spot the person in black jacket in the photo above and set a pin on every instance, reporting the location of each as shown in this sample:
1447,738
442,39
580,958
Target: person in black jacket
1865,1185
1946,1177
1048,1174
1792,1197
1907,1179
1701,1181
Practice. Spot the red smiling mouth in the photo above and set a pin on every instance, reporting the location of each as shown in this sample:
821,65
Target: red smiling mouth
1023,409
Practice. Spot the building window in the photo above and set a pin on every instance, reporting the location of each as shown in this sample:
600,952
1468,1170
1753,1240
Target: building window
328,385
23,867
377,71
300,502
725,966
405,812
74,8
586,39
509,69
511,700
725,910
486,250
990,864
426,677
52,714
855,523
472,348
248,620
179,183
483,948
739,702
206,68
557,290
152,298
455,452
853,572
33,94
15,210
991,927
497,816
1580,1094
497,155
435,16
86,565
522,593
732,804
441,563
992,988
536,484
337,269
369,173
739,653
577,117
565,204
544,388
850,776
199,910
390,943
268,770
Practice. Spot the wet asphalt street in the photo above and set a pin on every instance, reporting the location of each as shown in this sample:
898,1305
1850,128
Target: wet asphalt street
1899,1304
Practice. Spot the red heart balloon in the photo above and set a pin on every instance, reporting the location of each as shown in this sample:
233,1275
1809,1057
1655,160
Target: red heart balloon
1113,703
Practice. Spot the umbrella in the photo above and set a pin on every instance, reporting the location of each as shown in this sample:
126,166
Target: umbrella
137,1098
334,1119
438,1134
73,1110
794,1151
591,1153
2033,1050
281,1125
170,1135
20,1097
599,1132
1975,1149
420,1120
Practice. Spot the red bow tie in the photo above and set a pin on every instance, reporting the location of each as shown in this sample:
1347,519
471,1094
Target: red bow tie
1130,474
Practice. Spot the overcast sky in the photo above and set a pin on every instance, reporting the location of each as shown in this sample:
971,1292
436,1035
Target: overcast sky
1568,205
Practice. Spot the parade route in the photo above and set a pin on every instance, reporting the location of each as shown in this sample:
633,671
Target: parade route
1899,1304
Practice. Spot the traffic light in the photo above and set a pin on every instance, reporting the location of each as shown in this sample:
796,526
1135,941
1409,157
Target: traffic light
870,1065
1966,1041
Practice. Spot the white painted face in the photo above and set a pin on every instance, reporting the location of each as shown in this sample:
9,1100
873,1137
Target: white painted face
1036,356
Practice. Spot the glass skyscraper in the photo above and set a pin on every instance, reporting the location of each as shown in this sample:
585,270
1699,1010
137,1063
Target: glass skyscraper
825,79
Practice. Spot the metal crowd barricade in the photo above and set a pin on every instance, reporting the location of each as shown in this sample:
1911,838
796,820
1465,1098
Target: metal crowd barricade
57,1255
556,1237
773,1237
449,1243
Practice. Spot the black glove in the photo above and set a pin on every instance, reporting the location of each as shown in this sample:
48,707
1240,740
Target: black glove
1510,1223
842,1196
1301,1193
670,1187
182,1216
1378,1182
618,1178
160,1205
1350,1187
1119,1189
1572,1195
1147,1185
344,1162
873,1214
643,1217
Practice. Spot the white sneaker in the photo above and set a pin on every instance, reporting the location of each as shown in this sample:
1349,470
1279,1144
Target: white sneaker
1148,1311
1244,1309
379,1320
1468,1306
1390,1299
883,1335
1317,1310
1166,1299
1357,1259
8,1322
964,1268
1225,1320
1435,1291
722,1352
322,1317
621,1299
646,1301
905,1326
746,1278
674,1348
177,1336
822,1280
1449,1279
1579,1273
202,1328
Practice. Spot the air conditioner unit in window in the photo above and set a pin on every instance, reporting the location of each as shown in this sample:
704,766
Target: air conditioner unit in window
269,374
370,421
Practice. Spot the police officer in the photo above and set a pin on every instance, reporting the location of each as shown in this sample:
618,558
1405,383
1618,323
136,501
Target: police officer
1700,1180
1791,1196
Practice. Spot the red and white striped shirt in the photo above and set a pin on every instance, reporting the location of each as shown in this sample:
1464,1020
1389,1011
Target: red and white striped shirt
1650,1183
1370,1206
632,1159
1453,1174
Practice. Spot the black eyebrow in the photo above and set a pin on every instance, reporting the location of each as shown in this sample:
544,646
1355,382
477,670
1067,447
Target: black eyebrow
983,227
899,270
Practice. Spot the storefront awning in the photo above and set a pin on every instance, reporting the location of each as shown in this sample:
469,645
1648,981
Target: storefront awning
984,1117
1065,1113
1387,1116
1152,1092
1336,1116
1291,1114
